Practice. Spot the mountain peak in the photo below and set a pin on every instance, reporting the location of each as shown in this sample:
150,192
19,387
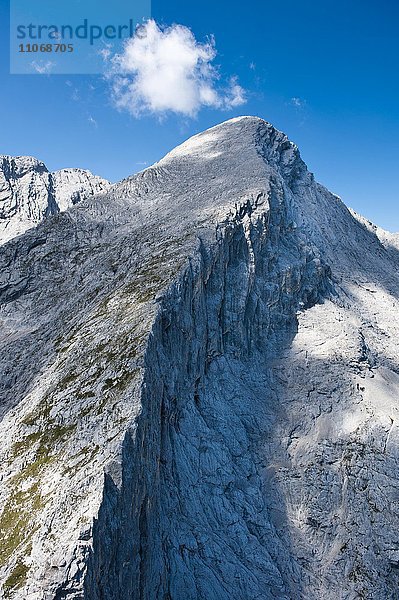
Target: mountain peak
238,139
199,385
18,166
29,192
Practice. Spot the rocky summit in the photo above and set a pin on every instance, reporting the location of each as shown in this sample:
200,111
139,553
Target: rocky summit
29,192
199,383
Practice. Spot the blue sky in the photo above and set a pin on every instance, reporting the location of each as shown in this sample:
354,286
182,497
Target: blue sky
326,73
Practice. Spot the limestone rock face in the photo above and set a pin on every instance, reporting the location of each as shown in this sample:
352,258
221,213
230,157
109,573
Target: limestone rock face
199,391
29,193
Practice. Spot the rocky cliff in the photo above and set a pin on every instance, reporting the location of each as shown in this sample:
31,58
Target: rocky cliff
29,192
199,397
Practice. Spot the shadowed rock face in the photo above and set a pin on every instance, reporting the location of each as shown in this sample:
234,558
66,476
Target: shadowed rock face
199,396
29,193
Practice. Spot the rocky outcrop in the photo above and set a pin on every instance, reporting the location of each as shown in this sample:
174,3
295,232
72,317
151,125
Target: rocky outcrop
200,389
29,193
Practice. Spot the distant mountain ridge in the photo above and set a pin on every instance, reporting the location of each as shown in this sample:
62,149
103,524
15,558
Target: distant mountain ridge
29,192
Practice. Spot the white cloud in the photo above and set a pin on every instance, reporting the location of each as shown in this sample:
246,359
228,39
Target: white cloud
300,107
298,102
43,68
166,70
235,95
92,121
105,52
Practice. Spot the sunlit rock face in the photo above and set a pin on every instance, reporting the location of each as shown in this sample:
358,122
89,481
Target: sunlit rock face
199,391
29,192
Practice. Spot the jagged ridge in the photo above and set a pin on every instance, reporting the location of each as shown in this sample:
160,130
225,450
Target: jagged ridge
29,193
